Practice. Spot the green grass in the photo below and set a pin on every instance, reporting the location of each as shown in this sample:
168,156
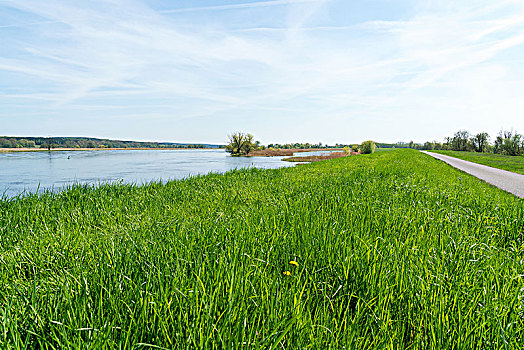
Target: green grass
395,250
509,163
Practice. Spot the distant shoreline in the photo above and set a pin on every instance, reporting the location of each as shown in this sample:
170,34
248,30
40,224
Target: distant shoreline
288,152
7,150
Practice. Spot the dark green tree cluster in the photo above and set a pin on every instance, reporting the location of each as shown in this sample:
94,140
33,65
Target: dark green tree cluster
12,142
368,147
86,142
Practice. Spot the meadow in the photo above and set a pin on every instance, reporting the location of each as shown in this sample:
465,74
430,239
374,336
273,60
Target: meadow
389,250
500,161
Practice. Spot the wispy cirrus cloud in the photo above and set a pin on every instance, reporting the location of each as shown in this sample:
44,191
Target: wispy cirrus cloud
307,63
246,5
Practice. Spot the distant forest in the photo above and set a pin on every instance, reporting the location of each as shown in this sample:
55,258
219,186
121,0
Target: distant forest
87,142
508,143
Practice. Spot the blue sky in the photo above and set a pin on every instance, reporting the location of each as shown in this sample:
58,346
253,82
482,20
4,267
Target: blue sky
285,70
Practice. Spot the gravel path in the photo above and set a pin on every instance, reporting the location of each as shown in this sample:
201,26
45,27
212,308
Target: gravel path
505,180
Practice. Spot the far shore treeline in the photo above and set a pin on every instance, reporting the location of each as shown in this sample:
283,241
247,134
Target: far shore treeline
88,142
509,143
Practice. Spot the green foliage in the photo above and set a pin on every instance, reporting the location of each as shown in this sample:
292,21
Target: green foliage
480,142
394,250
430,145
368,147
509,143
460,141
86,142
240,144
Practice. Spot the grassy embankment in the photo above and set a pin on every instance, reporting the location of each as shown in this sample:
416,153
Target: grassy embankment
394,249
509,163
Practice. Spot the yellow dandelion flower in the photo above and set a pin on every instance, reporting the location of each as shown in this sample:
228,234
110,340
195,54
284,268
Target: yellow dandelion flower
293,262
287,273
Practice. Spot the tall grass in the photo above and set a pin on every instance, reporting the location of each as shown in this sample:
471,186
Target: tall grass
394,250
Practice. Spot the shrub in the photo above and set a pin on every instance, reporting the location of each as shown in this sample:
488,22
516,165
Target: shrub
368,147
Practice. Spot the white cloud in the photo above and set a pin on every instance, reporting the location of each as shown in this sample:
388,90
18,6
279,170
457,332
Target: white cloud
122,53
247,5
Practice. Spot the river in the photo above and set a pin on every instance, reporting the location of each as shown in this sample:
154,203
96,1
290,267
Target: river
23,172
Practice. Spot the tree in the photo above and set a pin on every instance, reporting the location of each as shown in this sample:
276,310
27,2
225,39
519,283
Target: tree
368,147
48,143
460,141
447,143
428,145
510,143
240,144
480,142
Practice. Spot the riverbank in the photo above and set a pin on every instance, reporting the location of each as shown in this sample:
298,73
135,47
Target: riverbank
392,249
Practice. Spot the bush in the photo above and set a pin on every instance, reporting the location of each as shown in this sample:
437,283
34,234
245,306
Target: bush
368,147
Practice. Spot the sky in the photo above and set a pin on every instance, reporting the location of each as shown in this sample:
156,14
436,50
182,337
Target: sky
330,71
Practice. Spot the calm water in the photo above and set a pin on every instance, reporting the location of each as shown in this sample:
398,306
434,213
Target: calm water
28,171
